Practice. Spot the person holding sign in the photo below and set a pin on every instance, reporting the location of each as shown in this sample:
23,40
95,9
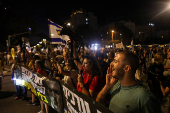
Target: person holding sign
126,94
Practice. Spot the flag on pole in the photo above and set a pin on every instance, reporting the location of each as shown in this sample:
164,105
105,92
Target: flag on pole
34,50
131,46
54,31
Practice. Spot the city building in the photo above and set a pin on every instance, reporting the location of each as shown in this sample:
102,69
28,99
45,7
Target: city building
79,18
144,32
130,25
163,34
118,31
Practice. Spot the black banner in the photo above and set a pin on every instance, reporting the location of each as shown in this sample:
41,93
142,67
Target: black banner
76,102
47,90
57,94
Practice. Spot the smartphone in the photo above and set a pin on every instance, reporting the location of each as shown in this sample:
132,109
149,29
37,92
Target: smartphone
81,73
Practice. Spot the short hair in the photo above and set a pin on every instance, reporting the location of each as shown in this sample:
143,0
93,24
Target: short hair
131,59
158,57
40,62
36,57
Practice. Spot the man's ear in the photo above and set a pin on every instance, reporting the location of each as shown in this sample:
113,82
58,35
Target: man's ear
127,68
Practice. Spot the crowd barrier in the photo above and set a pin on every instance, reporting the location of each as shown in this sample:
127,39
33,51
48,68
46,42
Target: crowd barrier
57,94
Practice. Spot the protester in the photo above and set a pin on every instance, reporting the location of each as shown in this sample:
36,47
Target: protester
90,81
111,56
103,65
167,65
21,91
8,58
127,95
70,76
156,70
31,66
42,72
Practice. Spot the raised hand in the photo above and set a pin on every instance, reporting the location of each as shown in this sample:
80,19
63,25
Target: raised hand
110,81
80,80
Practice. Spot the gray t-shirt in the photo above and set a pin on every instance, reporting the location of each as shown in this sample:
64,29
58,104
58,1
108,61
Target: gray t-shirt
133,99
166,63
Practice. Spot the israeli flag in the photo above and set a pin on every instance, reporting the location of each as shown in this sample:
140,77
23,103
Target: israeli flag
28,48
54,30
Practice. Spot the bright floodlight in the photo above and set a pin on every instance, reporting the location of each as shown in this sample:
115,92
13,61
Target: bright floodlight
95,47
112,31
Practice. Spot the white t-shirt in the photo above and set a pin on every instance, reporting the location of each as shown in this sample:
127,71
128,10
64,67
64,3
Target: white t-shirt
74,75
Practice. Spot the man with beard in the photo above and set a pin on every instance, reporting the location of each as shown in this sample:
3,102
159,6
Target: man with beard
126,94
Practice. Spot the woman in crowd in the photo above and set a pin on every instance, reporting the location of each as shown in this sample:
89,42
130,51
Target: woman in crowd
39,65
89,81
31,66
70,76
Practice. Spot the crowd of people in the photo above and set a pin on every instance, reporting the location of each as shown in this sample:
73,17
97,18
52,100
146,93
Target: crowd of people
112,77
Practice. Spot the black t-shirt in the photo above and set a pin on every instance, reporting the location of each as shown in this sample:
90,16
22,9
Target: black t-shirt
155,70
167,83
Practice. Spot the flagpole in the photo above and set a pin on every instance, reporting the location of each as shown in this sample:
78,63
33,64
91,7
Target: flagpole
49,35
49,28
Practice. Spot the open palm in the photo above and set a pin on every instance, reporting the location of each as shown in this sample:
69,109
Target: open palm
110,81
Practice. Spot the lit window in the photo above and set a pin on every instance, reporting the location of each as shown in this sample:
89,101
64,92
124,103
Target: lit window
139,32
87,23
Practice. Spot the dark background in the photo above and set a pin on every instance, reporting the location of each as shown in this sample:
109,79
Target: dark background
17,16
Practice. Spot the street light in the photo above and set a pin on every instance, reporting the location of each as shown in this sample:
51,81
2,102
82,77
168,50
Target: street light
69,24
112,34
166,9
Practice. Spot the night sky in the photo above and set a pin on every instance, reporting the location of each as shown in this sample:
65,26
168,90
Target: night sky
139,11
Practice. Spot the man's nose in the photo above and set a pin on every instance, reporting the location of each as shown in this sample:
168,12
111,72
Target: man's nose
112,64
